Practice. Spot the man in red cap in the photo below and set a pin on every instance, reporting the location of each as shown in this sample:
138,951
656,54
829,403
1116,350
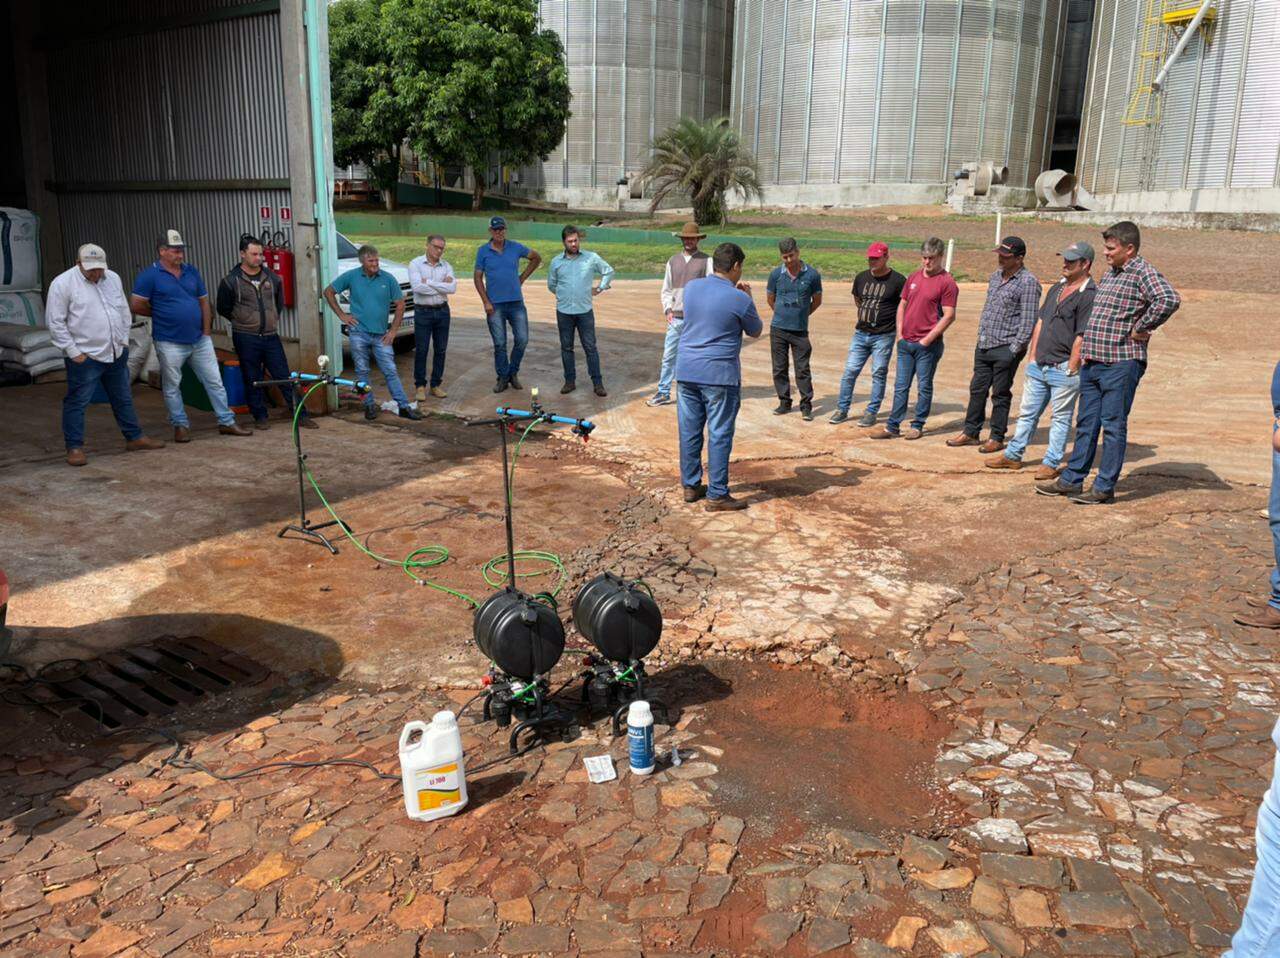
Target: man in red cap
877,291
1008,317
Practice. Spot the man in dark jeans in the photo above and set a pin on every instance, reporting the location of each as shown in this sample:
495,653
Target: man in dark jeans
431,280
1008,317
571,277
251,299
1133,300
794,292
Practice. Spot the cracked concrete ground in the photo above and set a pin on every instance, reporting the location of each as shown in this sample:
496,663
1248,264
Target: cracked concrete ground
1083,731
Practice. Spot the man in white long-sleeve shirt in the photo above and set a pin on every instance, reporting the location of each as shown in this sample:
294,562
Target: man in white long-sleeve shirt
432,281
689,264
88,318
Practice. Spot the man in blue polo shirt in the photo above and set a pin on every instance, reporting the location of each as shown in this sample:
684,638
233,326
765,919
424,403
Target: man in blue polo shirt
795,293
717,311
172,293
498,280
372,293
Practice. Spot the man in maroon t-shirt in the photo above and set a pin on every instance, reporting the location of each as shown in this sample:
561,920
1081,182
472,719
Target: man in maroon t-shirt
928,307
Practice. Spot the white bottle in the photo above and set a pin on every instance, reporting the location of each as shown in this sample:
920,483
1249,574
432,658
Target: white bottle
640,738
431,768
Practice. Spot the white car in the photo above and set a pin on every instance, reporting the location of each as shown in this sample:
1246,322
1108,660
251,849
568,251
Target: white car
347,259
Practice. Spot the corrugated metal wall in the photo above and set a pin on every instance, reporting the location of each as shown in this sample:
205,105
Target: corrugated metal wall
195,110
1219,121
635,67
895,91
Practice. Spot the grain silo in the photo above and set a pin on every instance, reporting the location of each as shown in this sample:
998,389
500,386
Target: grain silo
635,67
865,101
1209,139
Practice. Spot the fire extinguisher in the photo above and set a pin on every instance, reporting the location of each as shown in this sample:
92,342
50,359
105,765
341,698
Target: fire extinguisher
279,259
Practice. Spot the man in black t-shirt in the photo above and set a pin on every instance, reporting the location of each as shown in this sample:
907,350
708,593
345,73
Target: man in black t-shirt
876,294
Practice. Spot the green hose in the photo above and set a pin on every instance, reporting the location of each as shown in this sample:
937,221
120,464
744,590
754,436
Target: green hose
428,557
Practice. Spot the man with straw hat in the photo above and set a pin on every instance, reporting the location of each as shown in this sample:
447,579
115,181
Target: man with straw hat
688,264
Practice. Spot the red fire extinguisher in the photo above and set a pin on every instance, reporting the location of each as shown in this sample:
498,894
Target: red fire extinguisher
279,259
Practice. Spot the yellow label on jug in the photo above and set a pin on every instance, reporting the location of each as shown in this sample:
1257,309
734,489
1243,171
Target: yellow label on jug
437,787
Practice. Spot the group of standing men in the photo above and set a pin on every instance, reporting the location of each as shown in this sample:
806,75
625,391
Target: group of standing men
1086,340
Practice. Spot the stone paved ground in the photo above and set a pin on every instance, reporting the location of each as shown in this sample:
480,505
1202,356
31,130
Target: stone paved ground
1108,748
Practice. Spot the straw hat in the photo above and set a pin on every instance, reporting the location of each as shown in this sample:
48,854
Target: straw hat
690,231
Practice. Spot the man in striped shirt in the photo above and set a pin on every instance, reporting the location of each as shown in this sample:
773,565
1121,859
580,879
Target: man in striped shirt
1132,301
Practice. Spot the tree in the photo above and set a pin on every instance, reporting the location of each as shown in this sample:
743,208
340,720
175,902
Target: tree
370,122
703,161
493,82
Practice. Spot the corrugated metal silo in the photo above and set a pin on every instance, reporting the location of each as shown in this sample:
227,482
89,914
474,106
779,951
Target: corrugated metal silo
635,67
1214,144
850,100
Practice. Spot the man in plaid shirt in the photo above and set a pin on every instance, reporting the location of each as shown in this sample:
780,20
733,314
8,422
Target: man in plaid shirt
1133,300
1008,317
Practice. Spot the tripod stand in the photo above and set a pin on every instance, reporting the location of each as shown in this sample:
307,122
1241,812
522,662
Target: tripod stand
304,527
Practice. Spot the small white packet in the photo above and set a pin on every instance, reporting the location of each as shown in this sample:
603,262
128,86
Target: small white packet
599,768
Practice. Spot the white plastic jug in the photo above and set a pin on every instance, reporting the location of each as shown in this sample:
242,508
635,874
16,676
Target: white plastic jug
431,768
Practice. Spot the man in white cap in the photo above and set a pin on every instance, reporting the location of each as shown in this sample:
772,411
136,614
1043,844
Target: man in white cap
88,318
173,294
687,265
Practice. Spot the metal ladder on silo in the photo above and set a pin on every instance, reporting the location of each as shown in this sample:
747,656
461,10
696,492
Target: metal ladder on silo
1164,19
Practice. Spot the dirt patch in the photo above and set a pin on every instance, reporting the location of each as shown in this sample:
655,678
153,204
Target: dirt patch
800,746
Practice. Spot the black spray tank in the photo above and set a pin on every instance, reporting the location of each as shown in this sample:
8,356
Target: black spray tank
521,635
618,617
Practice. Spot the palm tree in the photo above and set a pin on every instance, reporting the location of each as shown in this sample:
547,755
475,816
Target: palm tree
703,161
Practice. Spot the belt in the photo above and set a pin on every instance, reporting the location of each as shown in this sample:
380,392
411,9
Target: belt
443,302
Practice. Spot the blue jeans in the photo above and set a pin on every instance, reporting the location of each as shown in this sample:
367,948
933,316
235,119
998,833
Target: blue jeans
715,409
1273,512
203,360
430,329
877,347
82,380
1106,396
585,324
362,344
920,362
517,317
1045,386
261,357
670,349
1259,934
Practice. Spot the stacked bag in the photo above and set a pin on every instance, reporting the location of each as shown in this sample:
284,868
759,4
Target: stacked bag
26,349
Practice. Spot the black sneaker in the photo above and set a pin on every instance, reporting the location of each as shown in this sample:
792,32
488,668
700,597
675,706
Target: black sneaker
838,417
867,420
782,409
1093,497
408,412
1056,487
371,412
500,385
514,381
806,414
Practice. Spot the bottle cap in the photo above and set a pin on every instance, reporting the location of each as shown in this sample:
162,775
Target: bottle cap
444,719
639,714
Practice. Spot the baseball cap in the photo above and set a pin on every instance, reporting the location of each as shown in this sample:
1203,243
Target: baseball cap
1012,245
876,250
172,238
1078,251
92,256
497,223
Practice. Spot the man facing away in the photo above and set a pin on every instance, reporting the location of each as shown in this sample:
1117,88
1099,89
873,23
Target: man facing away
1132,301
717,311
88,319
687,265
877,292
432,282
373,293
1266,614
571,277
1008,316
927,309
795,292
1053,375
499,280
172,293
251,299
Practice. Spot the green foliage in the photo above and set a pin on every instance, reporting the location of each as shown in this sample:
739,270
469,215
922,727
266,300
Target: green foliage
704,161
478,77
370,122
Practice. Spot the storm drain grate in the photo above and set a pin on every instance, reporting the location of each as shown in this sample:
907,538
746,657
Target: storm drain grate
133,685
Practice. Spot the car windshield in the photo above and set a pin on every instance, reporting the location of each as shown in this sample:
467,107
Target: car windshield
346,249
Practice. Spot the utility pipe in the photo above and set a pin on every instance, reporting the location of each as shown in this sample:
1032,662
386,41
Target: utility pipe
1187,34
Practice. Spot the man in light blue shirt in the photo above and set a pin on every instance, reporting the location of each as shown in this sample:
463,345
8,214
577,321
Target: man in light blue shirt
717,311
570,277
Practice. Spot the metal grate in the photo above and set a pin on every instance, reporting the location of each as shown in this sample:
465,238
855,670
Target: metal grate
137,684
